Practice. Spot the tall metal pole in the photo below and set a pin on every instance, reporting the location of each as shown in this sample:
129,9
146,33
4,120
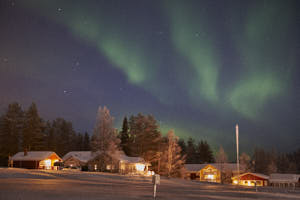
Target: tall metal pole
237,151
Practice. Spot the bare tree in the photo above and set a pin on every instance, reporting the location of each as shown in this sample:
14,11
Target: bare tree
221,159
172,160
105,141
245,161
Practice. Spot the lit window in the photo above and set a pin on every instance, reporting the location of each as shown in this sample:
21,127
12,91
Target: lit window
210,176
47,163
139,167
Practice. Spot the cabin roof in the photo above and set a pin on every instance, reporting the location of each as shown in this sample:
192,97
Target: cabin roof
254,174
83,156
284,178
33,155
128,159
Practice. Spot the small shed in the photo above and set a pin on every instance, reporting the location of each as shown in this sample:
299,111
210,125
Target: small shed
251,179
35,159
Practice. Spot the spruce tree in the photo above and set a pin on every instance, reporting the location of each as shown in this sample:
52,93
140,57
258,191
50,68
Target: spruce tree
183,147
33,138
124,137
191,152
50,137
65,137
79,142
10,131
86,142
145,136
204,153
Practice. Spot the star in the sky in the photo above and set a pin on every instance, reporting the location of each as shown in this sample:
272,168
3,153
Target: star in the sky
67,92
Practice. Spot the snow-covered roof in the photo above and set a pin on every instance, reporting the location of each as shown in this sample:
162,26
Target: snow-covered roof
82,156
85,156
254,174
194,167
284,178
128,159
219,166
33,155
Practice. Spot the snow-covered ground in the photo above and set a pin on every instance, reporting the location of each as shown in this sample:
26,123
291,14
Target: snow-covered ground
21,184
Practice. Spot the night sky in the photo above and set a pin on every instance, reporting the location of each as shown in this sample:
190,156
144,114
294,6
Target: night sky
199,67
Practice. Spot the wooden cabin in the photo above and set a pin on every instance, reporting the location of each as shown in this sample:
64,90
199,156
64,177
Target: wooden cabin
124,164
251,179
35,160
212,172
78,159
133,165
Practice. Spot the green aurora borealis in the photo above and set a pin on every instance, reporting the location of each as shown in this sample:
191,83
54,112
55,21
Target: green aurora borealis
201,66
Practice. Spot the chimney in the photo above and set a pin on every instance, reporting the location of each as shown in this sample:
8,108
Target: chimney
25,152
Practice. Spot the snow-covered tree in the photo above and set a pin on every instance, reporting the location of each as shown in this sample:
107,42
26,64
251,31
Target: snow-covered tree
221,159
172,162
221,156
104,140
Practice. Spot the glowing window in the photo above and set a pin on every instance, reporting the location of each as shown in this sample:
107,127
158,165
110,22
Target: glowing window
210,176
139,167
47,163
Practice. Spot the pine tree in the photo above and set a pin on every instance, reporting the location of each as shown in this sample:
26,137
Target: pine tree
191,151
124,137
105,142
79,142
33,138
86,142
204,153
183,147
10,132
50,137
65,136
260,161
145,137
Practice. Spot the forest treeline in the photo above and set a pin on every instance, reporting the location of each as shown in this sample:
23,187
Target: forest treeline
140,135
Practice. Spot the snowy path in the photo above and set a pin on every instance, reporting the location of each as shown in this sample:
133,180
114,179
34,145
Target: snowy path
21,184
